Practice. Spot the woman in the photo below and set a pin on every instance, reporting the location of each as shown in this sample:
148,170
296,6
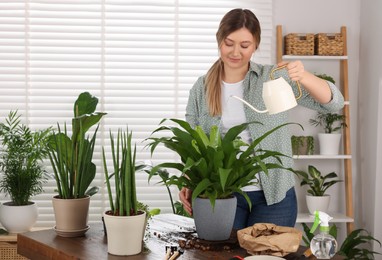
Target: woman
210,103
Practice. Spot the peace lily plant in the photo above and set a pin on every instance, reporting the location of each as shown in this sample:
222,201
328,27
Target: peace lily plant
211,165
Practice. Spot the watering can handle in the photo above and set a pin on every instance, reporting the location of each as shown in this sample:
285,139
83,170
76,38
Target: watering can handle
298,83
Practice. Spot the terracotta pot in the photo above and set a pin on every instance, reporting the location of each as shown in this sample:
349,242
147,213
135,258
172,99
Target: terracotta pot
71,216
125,234
18,219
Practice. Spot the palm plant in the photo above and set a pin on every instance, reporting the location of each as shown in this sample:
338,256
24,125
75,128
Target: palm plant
328,121
71,157
21,159
213,166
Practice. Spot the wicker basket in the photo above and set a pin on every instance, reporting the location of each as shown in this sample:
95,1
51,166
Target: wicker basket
299,44
8,251
330,44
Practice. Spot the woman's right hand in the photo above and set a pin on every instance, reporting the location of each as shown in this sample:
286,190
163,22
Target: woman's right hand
185,197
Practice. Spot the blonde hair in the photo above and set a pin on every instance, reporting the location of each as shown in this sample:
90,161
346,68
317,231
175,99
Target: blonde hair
231,22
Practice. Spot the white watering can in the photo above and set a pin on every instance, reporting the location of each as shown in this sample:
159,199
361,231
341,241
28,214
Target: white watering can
278,95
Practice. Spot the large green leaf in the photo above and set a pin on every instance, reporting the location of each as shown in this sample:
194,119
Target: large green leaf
214,166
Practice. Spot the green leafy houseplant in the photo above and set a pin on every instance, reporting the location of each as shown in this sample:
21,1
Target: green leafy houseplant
21,158
317,182
213,166
354,247
177,206
331,122
71,156
124,169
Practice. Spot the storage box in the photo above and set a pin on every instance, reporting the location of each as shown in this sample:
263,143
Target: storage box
330,44
8,251
299,44
8,248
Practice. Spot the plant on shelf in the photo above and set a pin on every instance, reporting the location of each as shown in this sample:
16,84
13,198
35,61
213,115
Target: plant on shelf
124,221
355,246
212,166
329,141
317,184
302,145
72,162
23,173
328,121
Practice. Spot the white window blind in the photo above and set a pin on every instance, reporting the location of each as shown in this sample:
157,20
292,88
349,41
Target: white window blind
140,58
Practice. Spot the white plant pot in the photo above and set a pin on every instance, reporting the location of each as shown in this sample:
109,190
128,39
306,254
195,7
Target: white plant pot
124,234
18,219
329,143
320,203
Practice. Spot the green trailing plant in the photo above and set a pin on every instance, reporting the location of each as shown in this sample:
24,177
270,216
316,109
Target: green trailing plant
354,247
302,145
332,122
21,159
317,182
213,166
72,156
124,169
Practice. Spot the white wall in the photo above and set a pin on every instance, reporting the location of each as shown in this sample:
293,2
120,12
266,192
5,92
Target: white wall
364,39
370,120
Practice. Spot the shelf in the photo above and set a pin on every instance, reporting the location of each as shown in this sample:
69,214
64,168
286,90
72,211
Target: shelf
319,156
337,218
313,57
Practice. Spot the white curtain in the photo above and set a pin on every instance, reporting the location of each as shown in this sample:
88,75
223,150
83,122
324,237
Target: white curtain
140,58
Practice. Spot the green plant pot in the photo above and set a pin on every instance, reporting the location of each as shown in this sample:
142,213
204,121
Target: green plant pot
302,145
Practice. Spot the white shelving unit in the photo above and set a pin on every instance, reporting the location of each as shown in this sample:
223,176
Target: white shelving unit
338,217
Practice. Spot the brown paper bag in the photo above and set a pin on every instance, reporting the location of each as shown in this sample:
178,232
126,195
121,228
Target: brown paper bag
269,239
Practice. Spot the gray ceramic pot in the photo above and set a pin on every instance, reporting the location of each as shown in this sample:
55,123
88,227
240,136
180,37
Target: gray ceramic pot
214,225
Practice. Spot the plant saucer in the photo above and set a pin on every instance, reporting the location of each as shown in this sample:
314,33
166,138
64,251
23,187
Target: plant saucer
71,233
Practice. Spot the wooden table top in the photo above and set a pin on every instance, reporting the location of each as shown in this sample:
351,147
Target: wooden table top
164,230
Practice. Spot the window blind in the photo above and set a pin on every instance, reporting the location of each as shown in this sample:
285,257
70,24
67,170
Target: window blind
140,58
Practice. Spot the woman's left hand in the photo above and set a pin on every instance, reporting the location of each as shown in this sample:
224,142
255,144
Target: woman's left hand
296,70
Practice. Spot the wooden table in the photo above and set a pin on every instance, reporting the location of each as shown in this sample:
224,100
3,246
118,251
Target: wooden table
164,229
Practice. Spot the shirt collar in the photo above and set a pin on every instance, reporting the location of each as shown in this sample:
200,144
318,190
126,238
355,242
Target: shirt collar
254,67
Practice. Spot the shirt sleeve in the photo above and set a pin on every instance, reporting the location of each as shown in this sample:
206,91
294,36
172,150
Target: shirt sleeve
192,114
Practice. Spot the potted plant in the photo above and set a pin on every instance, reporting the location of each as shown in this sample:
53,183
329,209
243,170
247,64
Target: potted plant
72,161
213,167
329,141
125,222
355,246
302,145
23,172
318,184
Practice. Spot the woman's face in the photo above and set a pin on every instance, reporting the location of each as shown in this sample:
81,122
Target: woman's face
236,50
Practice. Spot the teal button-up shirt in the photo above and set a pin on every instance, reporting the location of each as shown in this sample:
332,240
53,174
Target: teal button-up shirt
277,182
